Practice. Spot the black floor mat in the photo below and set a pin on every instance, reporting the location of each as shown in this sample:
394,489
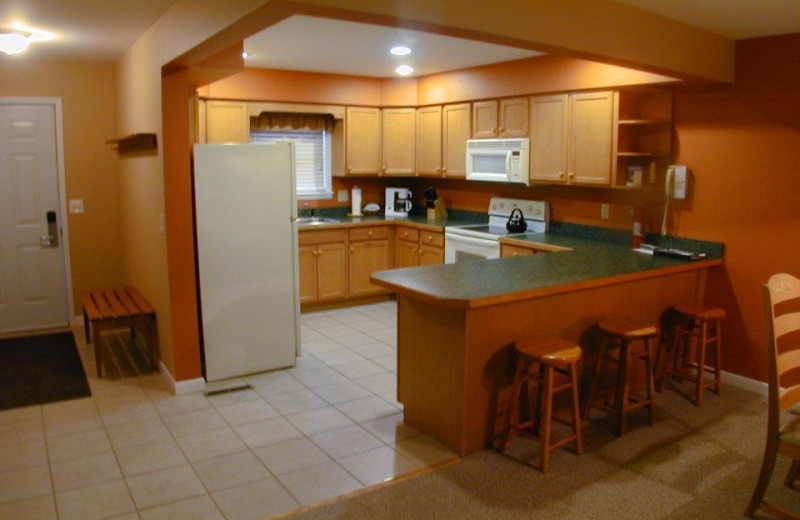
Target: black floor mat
40,369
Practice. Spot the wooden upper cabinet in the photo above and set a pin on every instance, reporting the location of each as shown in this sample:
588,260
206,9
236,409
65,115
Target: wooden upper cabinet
362,140
227,122
513,117
399,141
549,118
456,129
500,118
484,119
591,137
429,141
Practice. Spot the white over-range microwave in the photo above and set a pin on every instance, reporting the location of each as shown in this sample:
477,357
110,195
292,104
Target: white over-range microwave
498,160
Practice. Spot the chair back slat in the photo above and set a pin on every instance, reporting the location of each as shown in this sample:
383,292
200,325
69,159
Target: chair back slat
788,361
789,397
783,287
786,324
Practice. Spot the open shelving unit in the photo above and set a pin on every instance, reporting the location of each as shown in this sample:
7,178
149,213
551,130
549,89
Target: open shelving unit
644,136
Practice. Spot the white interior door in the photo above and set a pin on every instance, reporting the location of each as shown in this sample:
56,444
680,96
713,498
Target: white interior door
33,293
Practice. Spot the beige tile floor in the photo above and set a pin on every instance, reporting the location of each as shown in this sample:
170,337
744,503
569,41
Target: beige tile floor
325,428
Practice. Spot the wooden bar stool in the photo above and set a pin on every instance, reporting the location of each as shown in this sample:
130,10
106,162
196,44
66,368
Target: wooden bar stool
703,323
622,333
552,355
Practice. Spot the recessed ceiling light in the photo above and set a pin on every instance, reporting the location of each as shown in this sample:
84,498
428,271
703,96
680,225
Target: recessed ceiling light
404,70
245,55
400,50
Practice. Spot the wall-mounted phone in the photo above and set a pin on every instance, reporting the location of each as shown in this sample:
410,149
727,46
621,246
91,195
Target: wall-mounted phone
676,181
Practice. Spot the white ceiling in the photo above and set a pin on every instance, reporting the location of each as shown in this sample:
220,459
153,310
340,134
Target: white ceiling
359,49
104,29
82,29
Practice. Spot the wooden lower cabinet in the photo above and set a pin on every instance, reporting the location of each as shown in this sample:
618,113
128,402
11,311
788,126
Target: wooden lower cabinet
370,251
322,257
417,248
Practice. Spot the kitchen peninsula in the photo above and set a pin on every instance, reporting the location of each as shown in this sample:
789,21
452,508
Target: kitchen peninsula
457,323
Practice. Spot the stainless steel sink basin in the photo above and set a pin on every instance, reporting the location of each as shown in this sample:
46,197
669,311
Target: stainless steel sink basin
313,221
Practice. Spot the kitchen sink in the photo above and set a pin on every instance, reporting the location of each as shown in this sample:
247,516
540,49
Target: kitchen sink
313,221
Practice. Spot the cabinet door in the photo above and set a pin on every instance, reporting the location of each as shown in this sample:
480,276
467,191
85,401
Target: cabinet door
430,255
549,137
591,126
429,141
366,258
513,117
362,140
399,141
484,119
331,272
227,122
407,254
307,260
456,130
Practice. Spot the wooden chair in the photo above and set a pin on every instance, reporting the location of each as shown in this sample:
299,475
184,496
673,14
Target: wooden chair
553,356
781,295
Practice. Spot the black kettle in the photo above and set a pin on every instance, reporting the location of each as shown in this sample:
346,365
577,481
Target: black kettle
516,222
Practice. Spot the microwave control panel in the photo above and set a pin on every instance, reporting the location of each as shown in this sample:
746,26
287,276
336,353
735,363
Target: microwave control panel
514,170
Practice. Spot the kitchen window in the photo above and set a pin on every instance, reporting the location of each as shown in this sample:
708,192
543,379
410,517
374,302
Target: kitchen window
311,134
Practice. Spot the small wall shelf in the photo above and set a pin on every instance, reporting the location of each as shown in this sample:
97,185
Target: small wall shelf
135,143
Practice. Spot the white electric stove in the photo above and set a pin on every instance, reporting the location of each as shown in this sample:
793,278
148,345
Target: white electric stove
482,241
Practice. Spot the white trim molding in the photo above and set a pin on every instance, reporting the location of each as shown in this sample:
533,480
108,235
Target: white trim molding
190,386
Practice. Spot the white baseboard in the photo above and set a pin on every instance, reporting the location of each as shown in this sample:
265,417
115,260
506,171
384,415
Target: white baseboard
190,386
745,383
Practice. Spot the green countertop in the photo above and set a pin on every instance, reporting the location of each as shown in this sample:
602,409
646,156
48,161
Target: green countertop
587,263
584,263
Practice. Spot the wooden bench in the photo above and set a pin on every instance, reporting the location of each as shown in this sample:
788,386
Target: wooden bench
118,308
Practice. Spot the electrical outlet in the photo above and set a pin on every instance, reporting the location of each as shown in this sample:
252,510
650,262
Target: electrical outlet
604,211
341,195
76,206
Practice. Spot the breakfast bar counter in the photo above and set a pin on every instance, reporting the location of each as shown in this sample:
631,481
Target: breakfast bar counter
457,323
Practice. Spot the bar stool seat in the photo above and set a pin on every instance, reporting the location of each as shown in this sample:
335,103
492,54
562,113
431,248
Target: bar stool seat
622,332
703,324
552,355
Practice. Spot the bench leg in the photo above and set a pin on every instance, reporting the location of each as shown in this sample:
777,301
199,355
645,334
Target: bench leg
98,351
86,326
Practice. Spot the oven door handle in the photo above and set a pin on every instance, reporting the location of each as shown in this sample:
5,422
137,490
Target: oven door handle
480,242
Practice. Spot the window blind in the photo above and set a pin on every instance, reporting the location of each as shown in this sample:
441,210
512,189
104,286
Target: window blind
313,177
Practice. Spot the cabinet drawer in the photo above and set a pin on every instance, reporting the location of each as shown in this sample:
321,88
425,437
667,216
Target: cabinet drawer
307,238
507,250
407,234
368,233
431,238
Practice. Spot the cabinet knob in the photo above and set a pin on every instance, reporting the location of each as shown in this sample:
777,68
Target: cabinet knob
501,130
369,233
349,169
384,168
514,253
560,175
444,170
494,130
438,170
571,174
405,233
352,249
430,237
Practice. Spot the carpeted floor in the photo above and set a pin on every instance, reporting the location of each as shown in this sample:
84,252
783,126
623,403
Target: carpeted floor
40,369
695,463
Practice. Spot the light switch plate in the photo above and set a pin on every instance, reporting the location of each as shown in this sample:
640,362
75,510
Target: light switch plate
604,211
76,206
680,181
341,195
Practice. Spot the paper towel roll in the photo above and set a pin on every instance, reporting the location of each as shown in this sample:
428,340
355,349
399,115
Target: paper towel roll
355,198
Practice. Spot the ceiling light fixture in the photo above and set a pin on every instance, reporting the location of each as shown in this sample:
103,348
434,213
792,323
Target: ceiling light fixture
13,41
245,55
404,70
400,50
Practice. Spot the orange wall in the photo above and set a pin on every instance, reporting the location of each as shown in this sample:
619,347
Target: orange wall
87,94
742,144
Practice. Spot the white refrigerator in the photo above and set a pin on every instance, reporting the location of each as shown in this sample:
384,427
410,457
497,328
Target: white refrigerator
245,208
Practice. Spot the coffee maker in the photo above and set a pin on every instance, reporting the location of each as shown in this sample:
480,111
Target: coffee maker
398,202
